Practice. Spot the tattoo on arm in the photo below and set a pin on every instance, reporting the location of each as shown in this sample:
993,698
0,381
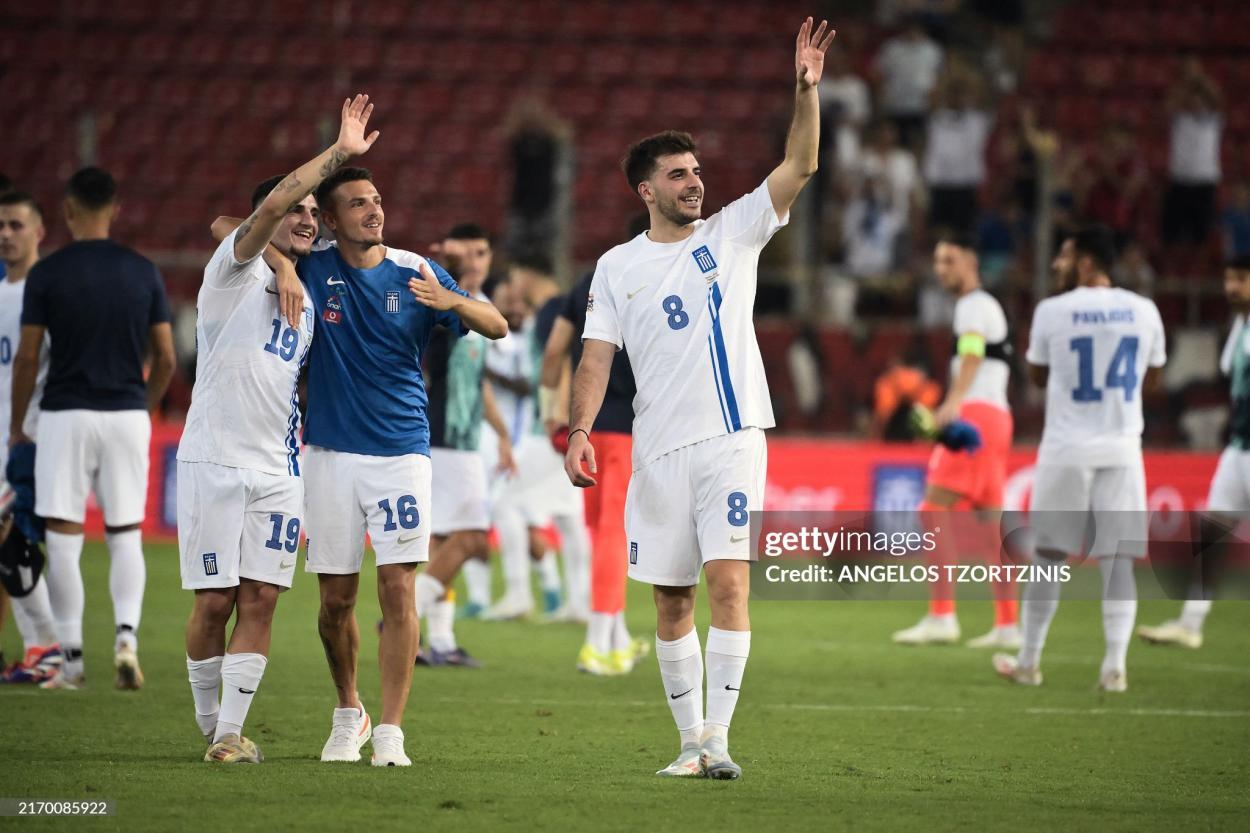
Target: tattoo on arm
291,183
246,226
337,157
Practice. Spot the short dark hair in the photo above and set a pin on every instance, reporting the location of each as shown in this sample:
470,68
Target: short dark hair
261,191
1098,243
959,239
1240,263
93,188
468,231
343,175
492,283
6,184
21,198
534,261
640,160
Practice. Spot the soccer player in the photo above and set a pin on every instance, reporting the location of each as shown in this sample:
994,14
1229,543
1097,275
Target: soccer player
240,497
368,438
1230,487
460,398
979,374
103,306
680,298
21,231
609,648
1094,349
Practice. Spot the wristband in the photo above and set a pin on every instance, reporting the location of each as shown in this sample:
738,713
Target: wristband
575,430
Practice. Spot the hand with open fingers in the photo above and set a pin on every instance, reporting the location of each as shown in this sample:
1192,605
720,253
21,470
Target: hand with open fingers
809,52
352,139
290,295
429,292
580,450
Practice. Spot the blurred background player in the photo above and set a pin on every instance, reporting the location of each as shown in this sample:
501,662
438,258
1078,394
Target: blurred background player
103,306
21,230
609,648
1230,486
980,372
240,496
1095,349
368,438
681,298
460,399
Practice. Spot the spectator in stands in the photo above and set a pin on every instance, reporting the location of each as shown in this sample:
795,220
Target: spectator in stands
1236,223
845,102
906,70
870,230
999,230
954,162
895,167
1133,270
1112,184
1195,103
538,144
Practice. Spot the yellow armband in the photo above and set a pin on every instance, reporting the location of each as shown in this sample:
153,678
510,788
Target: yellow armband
971,344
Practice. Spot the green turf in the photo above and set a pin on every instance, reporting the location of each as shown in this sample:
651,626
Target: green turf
837,730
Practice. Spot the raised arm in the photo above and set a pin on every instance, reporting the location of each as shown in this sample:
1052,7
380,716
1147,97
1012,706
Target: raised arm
290,290
803,140
258,229
589,384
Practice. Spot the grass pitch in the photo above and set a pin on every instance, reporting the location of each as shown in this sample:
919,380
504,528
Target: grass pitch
837,729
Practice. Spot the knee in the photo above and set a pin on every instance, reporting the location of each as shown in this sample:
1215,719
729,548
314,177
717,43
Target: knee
213,609
476,545
396,594
728,591
259,603
337,606
674,604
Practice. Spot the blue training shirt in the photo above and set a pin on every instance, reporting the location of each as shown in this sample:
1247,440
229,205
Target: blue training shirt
365,391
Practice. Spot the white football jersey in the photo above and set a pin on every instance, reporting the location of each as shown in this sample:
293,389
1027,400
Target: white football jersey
684,312
1098,343
244,406
10,337
979,312
510,357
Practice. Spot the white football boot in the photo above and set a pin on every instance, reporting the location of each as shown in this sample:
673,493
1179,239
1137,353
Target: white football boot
349,731
689,764
388,746
1010,669
1007,637
1171,632
931,630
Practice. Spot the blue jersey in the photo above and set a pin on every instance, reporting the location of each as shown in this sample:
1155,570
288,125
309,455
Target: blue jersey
365,391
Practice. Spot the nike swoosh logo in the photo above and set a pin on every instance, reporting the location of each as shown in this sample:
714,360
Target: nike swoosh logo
734,540
271,291
731,688
285,565
678,696
404,539
335,282
247,691
629,296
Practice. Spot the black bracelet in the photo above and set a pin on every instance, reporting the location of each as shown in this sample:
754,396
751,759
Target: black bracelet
569,438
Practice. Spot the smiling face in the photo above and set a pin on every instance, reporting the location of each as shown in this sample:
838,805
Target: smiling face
355,214
295,236
675,189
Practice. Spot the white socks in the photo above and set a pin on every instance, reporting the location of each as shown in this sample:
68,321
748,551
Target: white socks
1193,614
514,552
240,677
599,631
681,670
727,653
427,591
575,549
441,621
65,592
549,573
1119,609
476,572
33,614
205,678
621,640
1038,602
127,578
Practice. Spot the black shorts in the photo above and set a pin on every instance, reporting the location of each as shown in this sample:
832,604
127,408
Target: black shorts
1188,213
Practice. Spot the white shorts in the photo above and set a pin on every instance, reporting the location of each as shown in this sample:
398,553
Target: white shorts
237,523
346,495
1068,499
1230,487
83,450
692,506
459,502
540,489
